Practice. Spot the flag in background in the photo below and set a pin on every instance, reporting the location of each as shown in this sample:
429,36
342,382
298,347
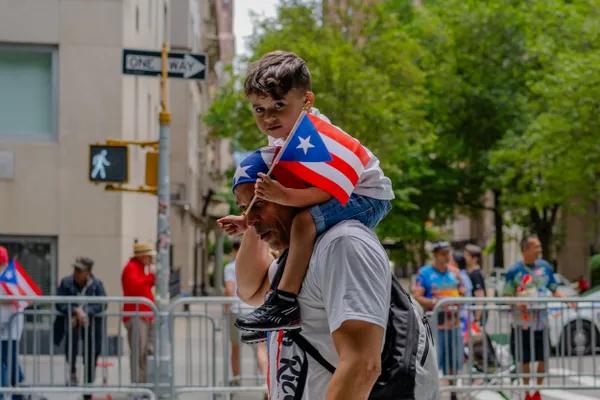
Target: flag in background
324,156
16,282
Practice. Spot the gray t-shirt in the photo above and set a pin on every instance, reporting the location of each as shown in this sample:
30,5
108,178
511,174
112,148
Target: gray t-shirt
348,278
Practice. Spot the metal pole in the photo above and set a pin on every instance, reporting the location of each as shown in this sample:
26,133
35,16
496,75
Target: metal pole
164,231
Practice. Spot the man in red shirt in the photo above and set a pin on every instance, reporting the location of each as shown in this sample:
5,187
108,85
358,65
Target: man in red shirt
137,279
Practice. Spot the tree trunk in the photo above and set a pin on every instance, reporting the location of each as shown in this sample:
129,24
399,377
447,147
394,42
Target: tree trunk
543,226
422,253
498,223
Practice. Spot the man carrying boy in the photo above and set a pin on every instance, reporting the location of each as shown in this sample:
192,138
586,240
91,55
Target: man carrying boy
278,87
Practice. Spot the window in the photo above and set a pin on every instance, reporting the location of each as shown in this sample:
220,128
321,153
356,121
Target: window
38,256
28,98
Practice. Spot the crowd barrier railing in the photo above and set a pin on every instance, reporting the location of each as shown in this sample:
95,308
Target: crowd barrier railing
488,344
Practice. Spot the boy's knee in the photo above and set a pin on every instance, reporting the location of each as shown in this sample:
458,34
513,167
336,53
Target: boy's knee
304,220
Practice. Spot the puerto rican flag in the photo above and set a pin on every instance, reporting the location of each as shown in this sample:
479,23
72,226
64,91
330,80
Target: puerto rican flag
324,156
16,282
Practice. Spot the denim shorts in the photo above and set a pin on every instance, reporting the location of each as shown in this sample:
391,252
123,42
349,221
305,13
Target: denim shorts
367,210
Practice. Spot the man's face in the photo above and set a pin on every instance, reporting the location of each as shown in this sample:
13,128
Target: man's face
80,276
276,118
271,221
441,257
146,259
534,250
468,257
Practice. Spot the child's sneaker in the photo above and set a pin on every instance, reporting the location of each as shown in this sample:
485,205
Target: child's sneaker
281,311
253,337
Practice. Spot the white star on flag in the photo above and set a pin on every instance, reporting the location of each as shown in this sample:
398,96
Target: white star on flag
241,173
305,144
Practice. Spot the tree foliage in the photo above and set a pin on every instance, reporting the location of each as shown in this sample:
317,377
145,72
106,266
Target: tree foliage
457,98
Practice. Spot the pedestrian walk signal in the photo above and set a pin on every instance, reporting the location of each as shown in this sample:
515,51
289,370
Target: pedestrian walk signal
108,164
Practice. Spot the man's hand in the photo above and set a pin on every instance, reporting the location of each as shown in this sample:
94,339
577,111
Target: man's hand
152,268
233,225
74,321
81,316
271,190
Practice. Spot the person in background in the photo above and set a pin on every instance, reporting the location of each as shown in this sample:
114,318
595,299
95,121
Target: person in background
459,261
582,284
472,256
138,279
82,319
433,283
11,329
530,277
232,314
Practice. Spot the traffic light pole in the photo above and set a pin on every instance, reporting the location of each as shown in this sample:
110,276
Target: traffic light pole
163,231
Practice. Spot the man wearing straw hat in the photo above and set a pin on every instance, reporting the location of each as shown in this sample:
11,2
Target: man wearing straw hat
137,279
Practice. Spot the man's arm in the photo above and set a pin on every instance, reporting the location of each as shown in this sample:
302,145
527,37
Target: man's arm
355,282
96,308
358,345
418,292
252,269
62,290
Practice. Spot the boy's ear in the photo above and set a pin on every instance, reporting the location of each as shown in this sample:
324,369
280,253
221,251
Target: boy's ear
309,99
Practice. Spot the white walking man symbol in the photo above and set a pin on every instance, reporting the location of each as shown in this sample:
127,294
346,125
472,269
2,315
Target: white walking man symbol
99,162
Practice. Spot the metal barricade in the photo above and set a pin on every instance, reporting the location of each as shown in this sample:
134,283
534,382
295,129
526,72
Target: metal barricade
202,337
51,345
493,356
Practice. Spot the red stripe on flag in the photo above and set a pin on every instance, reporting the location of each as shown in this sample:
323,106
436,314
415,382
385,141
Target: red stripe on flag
27,278
279,344
317,180
342,138
344,168
9,292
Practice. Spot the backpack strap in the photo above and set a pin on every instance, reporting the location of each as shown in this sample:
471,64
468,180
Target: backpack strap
311,350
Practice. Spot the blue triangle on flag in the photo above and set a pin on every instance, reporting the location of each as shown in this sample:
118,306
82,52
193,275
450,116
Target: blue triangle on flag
306,144
9,275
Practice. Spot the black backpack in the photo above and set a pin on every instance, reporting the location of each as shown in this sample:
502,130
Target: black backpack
401,346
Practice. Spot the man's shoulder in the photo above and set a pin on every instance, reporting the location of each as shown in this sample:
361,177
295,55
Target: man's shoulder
67,281
348,231
230,266
513,269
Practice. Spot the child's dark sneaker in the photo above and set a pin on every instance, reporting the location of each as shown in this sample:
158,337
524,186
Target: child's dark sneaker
253,337
281,311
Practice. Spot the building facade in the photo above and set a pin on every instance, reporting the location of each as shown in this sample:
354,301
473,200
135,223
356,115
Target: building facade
62,89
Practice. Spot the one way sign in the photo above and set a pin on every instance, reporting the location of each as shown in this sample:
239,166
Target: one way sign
180,65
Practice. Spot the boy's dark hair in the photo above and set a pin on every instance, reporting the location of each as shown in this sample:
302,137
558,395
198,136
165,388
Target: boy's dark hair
275,74
474,251
236,245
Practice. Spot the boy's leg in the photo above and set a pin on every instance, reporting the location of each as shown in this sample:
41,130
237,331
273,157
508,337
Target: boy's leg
302,241
281,311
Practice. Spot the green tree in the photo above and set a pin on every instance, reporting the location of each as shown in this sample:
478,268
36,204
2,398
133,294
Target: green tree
366,81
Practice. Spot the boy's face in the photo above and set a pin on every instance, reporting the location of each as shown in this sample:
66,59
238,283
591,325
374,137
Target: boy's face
276,118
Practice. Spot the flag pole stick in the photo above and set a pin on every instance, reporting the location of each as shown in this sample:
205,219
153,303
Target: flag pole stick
276,159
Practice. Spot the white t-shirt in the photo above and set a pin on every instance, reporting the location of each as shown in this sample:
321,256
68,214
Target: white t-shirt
229,275
348,279
372,182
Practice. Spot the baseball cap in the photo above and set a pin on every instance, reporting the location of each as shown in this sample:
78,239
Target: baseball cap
3,255
260,161
441,245
83,263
